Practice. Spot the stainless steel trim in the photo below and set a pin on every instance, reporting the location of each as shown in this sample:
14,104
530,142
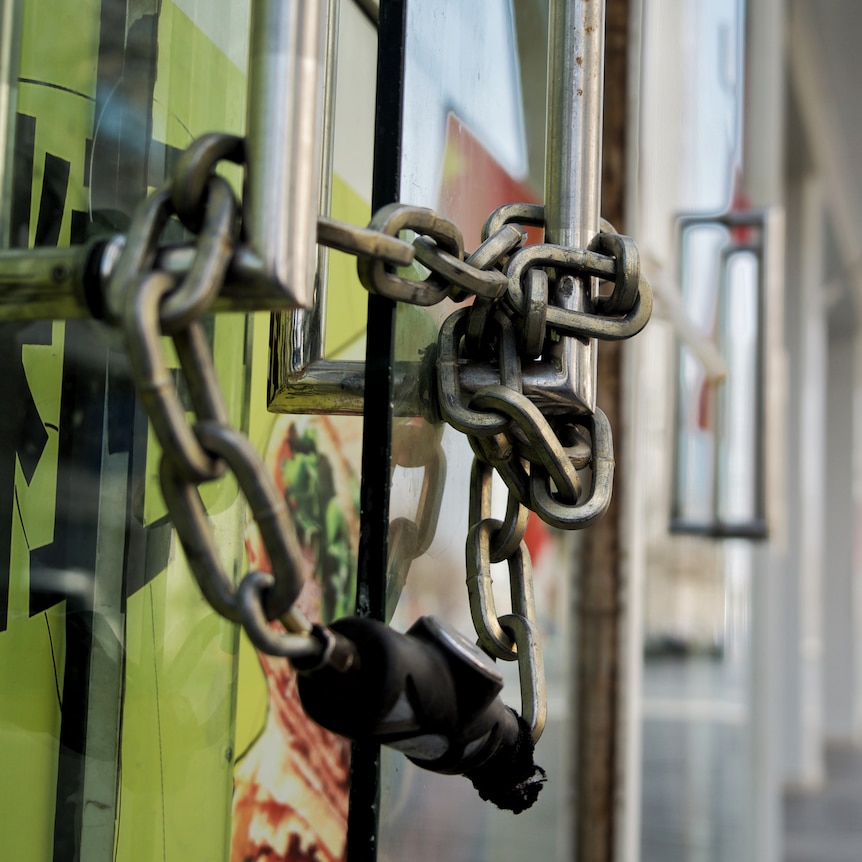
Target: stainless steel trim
36,285
300,380
337,387
573,157
573,160
298,335
285,126
60,283
10,41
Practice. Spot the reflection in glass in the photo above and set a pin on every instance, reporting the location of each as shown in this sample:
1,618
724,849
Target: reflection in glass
474,94
719,456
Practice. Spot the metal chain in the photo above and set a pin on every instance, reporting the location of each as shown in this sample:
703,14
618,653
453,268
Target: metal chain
146,304
537,457
510,321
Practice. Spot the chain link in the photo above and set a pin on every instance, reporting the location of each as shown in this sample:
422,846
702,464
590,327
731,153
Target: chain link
509,214
364,242
146,304
511,320
392,219
494,250
454,406
541,442
514,636
415,445
490,284
155,383
580,262
563,514
195,169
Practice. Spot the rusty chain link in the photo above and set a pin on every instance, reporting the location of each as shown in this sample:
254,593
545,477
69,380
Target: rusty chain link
537,457
514,636
415,445
146,303
511,320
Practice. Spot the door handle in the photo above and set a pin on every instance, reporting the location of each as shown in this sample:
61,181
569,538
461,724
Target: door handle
283,150
739,242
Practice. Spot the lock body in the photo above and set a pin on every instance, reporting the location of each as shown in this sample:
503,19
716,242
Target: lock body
431,694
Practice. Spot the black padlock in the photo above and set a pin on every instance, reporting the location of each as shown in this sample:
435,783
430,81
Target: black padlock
431,694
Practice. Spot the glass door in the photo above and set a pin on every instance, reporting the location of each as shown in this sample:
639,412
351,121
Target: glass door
471,128
117,681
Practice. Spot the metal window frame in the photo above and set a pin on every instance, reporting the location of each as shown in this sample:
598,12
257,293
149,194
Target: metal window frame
757,526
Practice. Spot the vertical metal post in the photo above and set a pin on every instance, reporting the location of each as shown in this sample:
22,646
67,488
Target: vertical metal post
573,162
573,156
766,70
573,166
284,139
633,514
10,42
297,335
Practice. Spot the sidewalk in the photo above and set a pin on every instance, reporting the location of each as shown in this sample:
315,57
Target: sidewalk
695,761
826,826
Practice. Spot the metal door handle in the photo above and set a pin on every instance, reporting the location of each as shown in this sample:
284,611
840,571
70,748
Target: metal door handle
283,149
747,233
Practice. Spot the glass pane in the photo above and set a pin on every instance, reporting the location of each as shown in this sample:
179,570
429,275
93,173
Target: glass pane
117,681
474,118
292,777
719,456
698,768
